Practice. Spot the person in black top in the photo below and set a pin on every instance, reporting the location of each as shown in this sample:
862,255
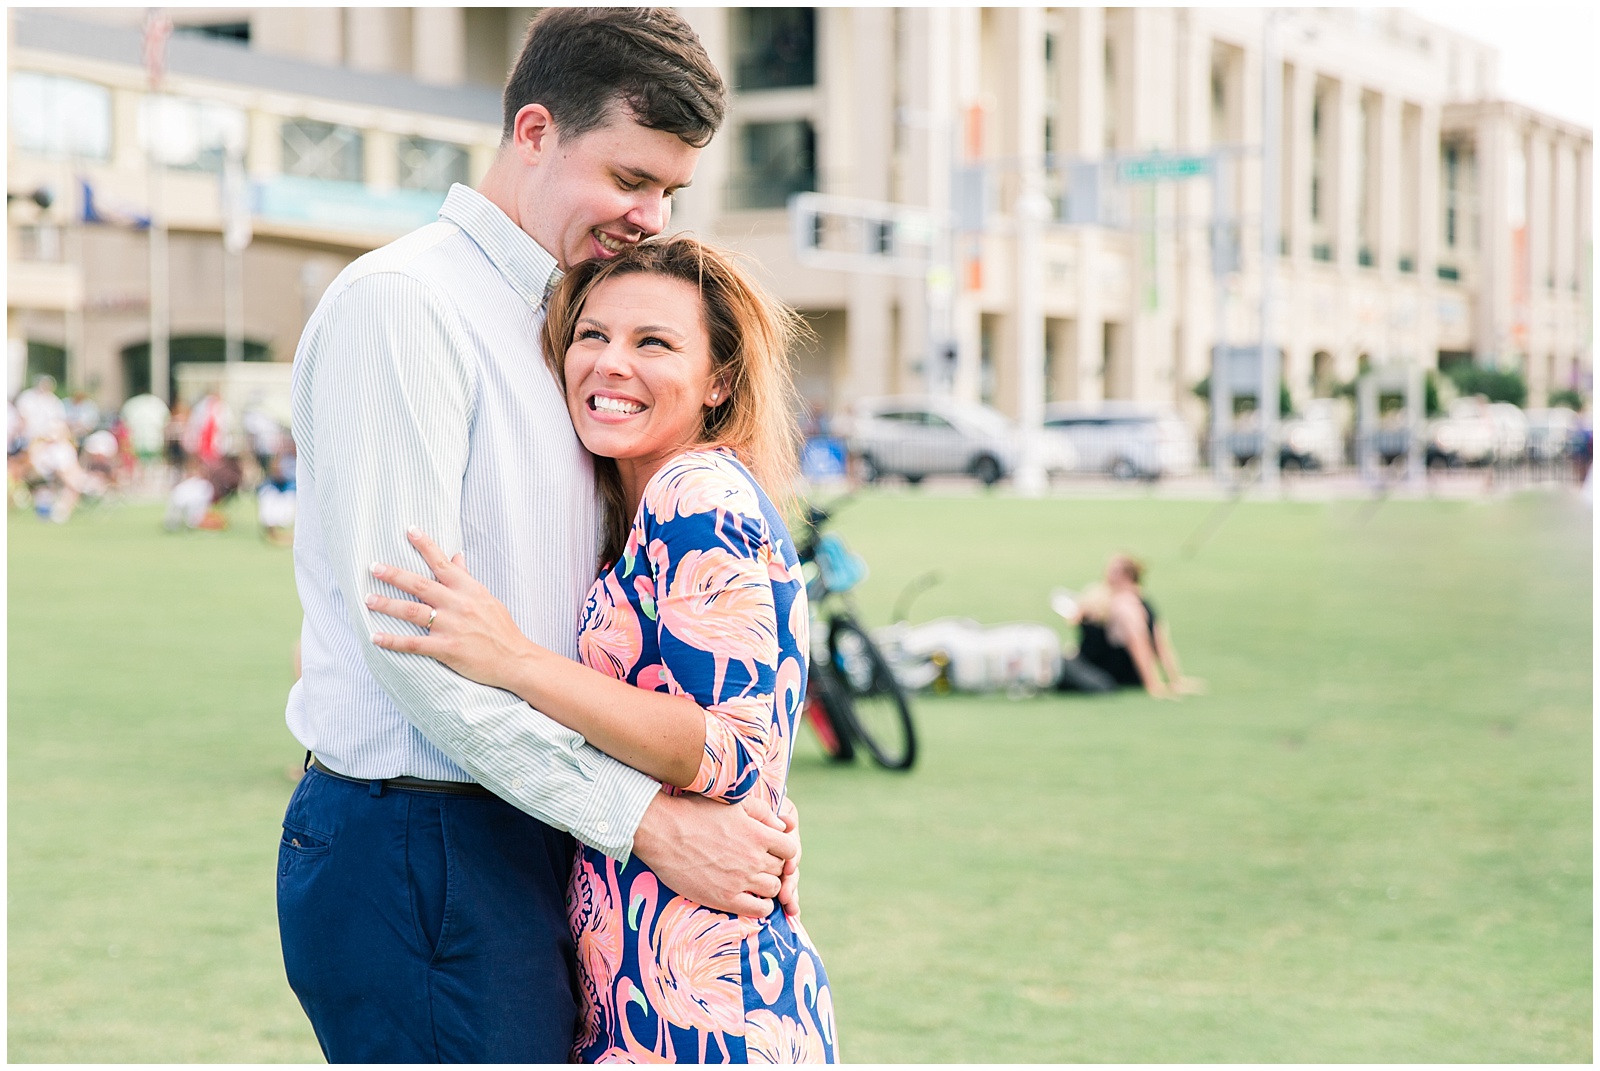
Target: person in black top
1121,643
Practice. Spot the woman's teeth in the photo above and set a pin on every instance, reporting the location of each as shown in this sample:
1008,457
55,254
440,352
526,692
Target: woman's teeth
614,405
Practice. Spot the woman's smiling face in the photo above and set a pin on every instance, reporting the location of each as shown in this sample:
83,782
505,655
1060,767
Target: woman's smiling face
638,373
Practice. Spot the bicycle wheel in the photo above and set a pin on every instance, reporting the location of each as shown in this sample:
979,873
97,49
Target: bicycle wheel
826,710
879,716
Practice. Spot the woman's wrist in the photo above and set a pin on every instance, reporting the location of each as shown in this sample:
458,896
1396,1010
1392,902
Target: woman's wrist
527,672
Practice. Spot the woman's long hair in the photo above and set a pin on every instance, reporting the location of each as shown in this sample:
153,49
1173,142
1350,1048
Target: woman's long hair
750,333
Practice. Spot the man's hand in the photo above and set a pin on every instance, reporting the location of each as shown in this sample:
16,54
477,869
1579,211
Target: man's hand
726,858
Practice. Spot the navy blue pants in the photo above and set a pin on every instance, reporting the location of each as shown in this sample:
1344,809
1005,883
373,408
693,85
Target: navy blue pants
424,928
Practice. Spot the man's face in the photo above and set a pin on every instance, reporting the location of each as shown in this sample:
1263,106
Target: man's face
598,193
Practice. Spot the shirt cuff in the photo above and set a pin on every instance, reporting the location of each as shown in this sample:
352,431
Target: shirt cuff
617,802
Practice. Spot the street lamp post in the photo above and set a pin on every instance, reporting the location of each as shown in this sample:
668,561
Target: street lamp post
1271,132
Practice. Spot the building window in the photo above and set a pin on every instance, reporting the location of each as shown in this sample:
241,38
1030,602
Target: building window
775,160
318,150
190,134
1052,93
774,47
236,32
426,164
62,117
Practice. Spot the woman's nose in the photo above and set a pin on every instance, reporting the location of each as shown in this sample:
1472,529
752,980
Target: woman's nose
612,362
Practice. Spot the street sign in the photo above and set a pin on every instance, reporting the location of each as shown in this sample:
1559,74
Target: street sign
1162,168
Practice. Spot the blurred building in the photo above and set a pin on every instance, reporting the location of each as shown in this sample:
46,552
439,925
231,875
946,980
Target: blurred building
1422,218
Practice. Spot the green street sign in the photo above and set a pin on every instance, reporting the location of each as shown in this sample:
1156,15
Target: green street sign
1162,168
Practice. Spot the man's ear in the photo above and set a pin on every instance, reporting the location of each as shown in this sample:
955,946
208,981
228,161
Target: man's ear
533,133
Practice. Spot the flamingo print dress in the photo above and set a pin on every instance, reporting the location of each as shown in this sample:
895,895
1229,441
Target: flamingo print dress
706,600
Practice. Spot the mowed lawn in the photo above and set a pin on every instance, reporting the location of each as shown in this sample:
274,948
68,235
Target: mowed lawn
1371,841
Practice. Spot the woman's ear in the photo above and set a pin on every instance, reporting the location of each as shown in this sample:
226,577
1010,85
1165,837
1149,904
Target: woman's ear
717,394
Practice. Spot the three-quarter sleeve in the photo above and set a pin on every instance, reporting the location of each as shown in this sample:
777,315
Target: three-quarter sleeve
709,549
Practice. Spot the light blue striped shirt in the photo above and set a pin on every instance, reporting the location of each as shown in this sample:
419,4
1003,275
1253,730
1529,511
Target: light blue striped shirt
421,397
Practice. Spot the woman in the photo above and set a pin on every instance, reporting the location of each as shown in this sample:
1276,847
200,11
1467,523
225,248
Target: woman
1121,641
693,640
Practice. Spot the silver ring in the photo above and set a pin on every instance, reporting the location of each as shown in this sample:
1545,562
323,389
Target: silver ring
432,613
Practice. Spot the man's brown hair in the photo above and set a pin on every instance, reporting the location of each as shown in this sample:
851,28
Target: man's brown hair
579,61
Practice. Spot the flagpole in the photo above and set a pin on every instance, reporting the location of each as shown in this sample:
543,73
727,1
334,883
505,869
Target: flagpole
235,236
157,28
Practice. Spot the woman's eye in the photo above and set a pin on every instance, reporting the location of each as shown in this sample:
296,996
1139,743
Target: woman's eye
651,340
590,333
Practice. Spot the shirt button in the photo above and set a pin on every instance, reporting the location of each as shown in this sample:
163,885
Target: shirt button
603,827
516,782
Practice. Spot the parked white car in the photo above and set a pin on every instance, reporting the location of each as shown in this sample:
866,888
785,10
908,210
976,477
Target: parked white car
916,436
1124,440
1550,432
1510,431
1316,436
1464,436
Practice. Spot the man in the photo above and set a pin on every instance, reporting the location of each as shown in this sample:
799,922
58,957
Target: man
422,917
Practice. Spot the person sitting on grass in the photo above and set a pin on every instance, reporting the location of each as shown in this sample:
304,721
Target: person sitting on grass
1121,644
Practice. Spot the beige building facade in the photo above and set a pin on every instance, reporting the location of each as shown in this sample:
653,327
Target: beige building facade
1422,219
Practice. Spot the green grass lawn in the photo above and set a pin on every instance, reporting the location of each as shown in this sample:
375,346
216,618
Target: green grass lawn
1370,842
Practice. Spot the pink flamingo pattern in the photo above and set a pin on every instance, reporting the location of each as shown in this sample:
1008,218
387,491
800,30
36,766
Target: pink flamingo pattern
708,601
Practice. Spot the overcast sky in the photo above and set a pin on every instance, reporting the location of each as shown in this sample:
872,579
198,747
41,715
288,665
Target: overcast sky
1547,51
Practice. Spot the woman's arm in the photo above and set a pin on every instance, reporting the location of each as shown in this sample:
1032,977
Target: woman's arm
472,632
1167,654
1134,625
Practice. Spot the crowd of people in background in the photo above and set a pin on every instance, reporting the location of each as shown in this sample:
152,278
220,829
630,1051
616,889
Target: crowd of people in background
64,453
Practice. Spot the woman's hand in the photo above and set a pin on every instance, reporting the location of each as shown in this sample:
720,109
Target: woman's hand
471,631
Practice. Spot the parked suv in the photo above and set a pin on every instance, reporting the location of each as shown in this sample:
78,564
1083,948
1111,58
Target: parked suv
1124,441
918,436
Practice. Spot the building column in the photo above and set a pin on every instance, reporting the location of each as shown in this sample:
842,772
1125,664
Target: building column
1387,246
1425,162
1297,106
1492,329
1347,155
1083,136
378,39
965,94
869,308
697,207
438,45
929,124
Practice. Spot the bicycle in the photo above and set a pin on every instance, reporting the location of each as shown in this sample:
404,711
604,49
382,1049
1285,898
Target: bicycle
852,696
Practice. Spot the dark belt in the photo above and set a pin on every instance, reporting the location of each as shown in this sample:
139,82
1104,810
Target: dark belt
409,784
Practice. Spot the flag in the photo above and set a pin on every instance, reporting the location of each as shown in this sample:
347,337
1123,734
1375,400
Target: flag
94,212
236,227
157,28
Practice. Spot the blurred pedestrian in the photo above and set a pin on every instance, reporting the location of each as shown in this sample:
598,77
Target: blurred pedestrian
58,479
1121,640
275,498
177,456
189,502
208,434
146,418
40,409
264,434
83,415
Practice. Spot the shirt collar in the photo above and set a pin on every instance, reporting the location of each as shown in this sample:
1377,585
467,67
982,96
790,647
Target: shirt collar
524,263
